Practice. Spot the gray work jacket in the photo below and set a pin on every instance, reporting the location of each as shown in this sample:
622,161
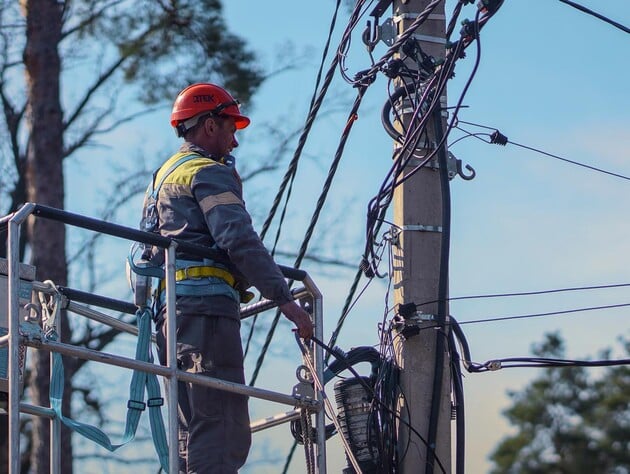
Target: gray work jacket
201,201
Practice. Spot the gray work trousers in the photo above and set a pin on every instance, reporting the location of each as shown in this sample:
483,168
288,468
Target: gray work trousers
214,433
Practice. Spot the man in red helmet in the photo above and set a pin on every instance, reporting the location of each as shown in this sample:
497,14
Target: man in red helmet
200,200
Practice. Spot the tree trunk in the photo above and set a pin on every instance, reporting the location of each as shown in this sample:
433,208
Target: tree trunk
44,185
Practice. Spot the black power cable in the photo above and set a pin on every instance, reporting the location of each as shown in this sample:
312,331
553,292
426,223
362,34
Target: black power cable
458,399
314,219
377,399
513,362
436,401
528,293
582,8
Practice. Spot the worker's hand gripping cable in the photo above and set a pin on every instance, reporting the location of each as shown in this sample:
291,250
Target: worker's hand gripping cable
319,387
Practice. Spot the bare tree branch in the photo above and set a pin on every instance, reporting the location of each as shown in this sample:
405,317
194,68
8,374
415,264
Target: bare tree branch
92,90
95,15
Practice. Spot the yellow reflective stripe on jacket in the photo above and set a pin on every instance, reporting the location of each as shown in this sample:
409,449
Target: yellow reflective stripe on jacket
185,172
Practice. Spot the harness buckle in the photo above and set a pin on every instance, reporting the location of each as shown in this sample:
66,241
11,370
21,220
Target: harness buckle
136,405
155,402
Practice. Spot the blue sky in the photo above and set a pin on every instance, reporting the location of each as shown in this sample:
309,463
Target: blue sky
551,78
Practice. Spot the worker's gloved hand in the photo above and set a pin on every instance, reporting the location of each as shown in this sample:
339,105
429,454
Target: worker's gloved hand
300,318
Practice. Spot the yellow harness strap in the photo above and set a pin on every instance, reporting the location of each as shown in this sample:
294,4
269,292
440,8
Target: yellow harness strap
202,272
205,272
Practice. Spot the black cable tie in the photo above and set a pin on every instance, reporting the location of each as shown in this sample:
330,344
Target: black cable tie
497,138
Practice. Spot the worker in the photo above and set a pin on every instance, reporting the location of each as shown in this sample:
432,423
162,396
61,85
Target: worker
200,201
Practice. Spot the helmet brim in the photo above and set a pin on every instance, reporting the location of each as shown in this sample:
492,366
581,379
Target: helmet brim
240,121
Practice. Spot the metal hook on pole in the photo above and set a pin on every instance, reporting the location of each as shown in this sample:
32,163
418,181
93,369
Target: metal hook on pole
371,35
462,174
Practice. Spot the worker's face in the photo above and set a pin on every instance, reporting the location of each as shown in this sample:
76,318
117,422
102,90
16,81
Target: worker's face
221,139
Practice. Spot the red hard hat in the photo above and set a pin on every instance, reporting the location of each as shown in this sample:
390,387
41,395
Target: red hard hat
205,97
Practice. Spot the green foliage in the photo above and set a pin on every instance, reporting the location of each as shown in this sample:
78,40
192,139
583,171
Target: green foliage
165,45
568,421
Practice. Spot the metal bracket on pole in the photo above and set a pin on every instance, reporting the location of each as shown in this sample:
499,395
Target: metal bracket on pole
421,318
422,228
454,165
429,39
412,16
385,32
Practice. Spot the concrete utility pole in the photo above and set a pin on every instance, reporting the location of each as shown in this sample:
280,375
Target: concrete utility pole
423,356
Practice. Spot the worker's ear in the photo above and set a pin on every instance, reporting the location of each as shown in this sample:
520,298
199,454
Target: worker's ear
210,125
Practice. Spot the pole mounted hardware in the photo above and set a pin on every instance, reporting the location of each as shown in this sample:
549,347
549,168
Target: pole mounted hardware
458,168
373,34
386,32
422,228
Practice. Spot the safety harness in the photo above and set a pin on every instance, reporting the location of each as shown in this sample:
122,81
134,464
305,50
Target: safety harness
192,277
140,381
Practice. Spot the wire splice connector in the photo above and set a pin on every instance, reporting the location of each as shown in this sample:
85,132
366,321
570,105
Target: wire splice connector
469,30
407,310
493,365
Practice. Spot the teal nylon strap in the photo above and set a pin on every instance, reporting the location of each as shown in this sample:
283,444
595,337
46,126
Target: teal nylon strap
135,405
180,161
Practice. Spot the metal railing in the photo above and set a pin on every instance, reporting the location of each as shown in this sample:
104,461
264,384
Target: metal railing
76,303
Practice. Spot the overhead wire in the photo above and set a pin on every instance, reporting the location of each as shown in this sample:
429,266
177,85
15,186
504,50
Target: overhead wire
314,105
530,148
528,316
316,102
528,293
582,8
548,313
522,362
412,137
436,85
314,219
289,177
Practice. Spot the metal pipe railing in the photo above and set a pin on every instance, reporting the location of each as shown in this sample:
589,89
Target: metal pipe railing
275,420
126,362
320,416
172,374
13,280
